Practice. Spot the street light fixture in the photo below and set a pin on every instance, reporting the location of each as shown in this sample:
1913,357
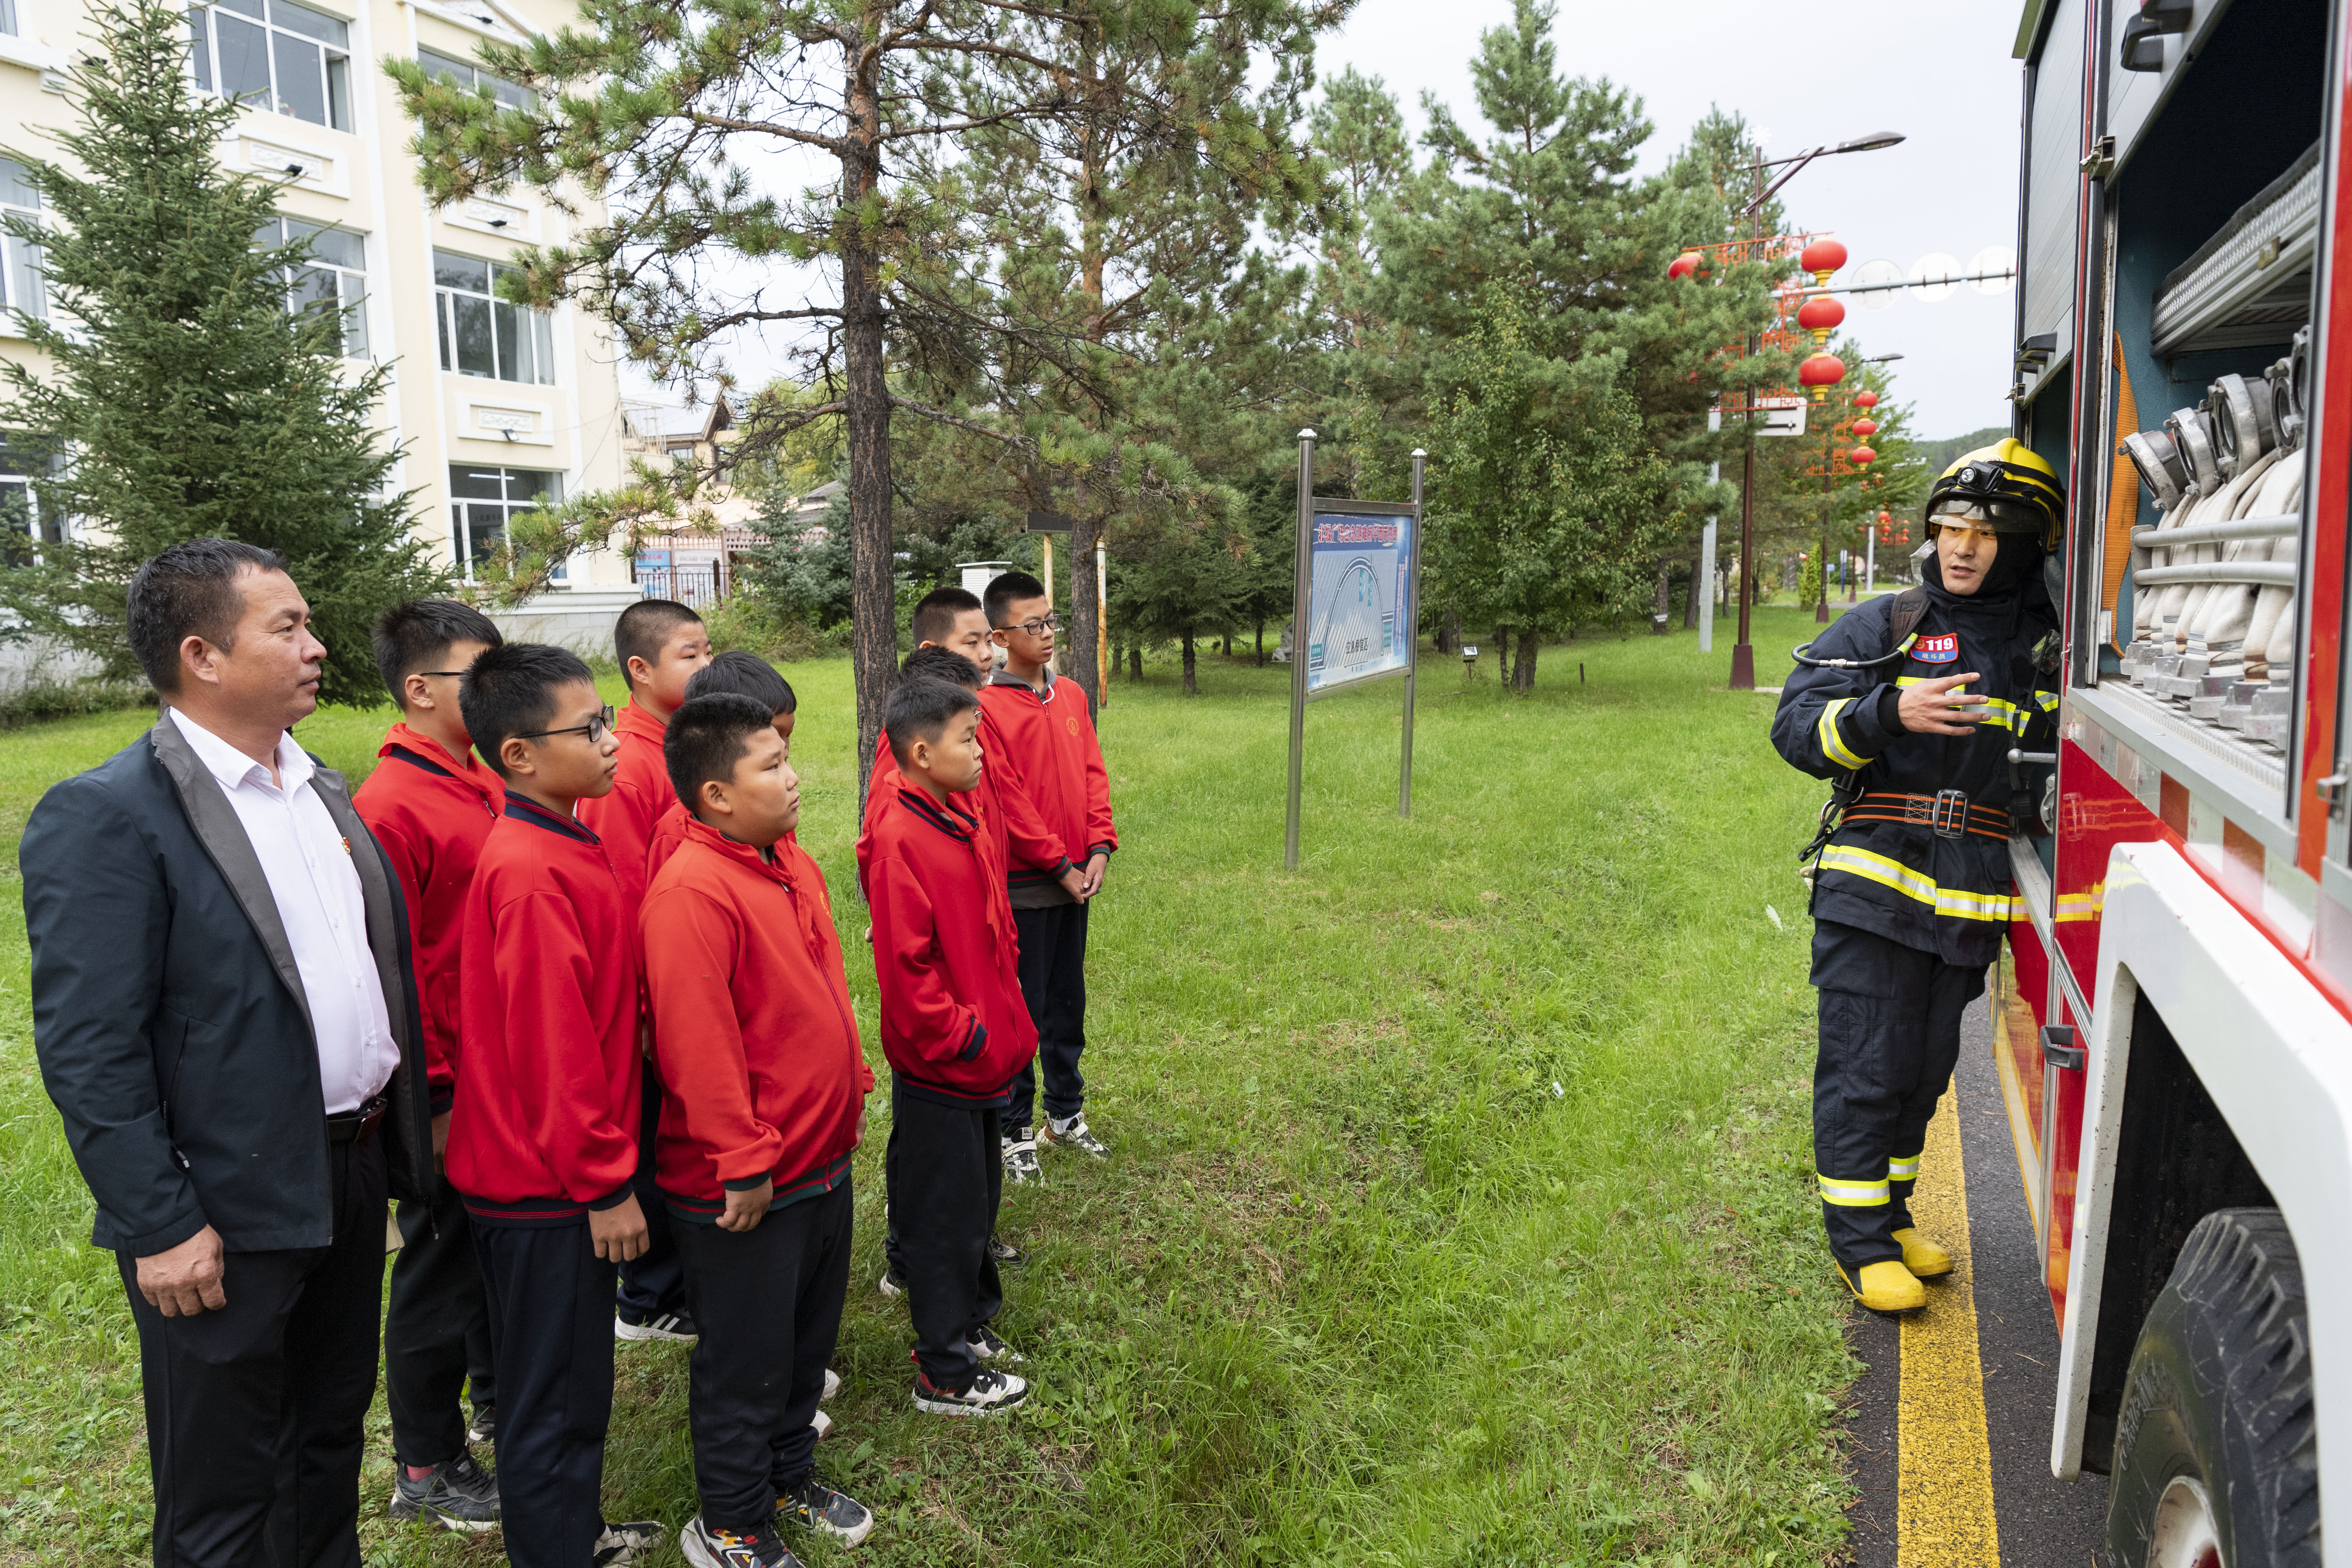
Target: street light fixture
1743,652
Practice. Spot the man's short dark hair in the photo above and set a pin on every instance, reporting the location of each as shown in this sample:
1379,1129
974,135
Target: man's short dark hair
185,590
936,612
943,664
511,691
1008,589
418,636
645,625
919,709
707,737
745,675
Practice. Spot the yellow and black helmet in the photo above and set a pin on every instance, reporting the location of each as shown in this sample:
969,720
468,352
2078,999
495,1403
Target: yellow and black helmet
2005,488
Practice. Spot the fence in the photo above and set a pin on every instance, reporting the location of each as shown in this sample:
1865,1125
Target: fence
698,584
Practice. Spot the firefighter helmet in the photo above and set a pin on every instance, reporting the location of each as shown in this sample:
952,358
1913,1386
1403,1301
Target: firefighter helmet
2005,488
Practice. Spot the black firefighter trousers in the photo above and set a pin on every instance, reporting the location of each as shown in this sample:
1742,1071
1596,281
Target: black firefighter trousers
1890,1035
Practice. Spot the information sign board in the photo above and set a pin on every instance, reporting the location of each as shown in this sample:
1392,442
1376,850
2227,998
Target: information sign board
1360,610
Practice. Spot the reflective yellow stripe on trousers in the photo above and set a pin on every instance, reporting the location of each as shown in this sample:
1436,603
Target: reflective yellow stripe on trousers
1888,873
1852,1195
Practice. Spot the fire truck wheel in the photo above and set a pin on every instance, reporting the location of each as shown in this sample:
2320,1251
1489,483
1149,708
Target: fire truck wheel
2216,1454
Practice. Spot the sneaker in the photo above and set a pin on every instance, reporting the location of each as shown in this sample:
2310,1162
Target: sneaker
707,1548
626,1544
988,1347
824,1425
989,1392
485,1428
892,1283
675,1326
1070,1132
458,1495
1007,1256
832,1384
813,1505
1020,1152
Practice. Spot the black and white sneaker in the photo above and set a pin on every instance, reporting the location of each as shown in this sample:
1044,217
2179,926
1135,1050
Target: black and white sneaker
813,1505
1007,1256
707,1548
674,1326
892,1283
626,1544
1070,1133
485,1428
988,1347
989,1392
1020,1152
457,1494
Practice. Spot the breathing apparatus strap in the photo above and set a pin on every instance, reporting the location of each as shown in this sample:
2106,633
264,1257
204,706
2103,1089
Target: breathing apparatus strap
1910,607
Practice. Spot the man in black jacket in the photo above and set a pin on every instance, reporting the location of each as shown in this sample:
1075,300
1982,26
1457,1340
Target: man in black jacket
226,1018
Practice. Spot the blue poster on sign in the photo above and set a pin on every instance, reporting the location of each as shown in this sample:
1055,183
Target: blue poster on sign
1360,609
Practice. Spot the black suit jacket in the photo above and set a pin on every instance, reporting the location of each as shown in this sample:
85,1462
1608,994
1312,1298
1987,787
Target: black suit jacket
169,1016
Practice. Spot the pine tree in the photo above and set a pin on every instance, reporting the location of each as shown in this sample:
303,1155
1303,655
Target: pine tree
187,401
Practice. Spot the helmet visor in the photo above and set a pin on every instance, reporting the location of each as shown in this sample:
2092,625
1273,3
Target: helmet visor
1992,513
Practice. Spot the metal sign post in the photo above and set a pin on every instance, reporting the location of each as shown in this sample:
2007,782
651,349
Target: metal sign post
1412,645
1302,566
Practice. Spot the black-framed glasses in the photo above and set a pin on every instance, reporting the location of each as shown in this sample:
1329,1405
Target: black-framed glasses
1038,628
448,672
595,729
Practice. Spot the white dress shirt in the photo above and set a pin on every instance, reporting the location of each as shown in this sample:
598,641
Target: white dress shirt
307,862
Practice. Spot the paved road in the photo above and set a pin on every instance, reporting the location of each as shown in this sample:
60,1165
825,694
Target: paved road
2040,1522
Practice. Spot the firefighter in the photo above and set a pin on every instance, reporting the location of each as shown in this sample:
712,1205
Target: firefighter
1911,893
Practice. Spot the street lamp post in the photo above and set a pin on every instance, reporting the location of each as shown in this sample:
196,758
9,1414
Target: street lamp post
1743,652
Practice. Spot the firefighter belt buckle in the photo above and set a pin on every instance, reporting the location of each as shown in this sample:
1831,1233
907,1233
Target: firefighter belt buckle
1949,818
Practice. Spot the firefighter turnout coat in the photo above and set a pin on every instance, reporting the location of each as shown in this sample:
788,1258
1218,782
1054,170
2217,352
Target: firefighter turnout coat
1887,867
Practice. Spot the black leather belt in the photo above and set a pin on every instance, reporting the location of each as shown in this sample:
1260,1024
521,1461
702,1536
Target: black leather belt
356,1126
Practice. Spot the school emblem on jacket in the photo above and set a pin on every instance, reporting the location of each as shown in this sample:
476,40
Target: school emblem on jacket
1941,650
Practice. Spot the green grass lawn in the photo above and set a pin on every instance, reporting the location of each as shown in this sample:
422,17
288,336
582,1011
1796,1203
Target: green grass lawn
1459,1210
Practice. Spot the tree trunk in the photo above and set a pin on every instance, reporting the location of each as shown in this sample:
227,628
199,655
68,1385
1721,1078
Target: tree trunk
1449,633
1523,673
1664,598
1135,660
1086,610
874,626
1503,653
1696,596
1191,686
1261,642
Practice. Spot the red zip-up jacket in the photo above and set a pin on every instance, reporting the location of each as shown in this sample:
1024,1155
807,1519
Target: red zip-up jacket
954,1026
1005,816
752,1028
669,835
1046,749
431,812
545,1126
641,792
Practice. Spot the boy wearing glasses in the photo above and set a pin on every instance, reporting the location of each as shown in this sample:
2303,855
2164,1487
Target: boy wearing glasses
1046,743
543,1138
431,804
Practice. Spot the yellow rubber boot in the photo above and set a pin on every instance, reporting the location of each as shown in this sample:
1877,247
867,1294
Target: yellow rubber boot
1885,1287
1923,1258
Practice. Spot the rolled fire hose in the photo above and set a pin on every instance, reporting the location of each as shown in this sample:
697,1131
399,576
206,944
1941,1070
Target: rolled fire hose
2224,614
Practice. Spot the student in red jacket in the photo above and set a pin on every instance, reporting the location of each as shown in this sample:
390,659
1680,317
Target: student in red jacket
1046,742
955,1031
745,675
767,1083
430,804
660,645
543,1140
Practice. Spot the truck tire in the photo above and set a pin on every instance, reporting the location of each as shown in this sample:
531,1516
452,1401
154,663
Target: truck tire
2217,1459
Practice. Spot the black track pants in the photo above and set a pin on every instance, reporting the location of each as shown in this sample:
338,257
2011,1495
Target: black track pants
653,1282
1053,968
1890,1023
436,1331
944,1176
768,1302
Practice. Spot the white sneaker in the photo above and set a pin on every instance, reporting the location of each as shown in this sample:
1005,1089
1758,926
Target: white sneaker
990,1393
832,1384
824,1425
1071,1133
1020,1158
987,1346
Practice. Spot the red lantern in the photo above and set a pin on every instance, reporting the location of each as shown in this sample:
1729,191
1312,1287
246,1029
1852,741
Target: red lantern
1822,257
1865,428
1861,456
1820,316
1886,519
1820,372
1865,398
1683,266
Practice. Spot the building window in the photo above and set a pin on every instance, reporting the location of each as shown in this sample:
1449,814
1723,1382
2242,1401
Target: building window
335,279
22,528
467,75
482,334
278,55
483,501
8,17
21,288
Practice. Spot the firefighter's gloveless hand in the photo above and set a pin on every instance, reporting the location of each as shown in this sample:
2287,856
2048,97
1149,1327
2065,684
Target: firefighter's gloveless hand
1932,707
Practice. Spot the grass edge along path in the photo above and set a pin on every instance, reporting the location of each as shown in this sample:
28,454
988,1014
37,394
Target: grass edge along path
1459,1210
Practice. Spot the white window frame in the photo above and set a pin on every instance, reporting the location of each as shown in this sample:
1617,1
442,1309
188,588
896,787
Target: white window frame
469,75
349,282
462,544
23,288
531,329
327,34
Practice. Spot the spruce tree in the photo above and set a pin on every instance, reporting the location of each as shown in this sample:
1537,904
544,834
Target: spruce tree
188,400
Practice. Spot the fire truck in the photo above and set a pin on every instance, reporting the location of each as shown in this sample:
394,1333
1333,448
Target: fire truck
2173,1015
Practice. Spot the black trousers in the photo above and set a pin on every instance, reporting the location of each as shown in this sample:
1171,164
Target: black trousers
768,1302
1890,1035
552,1330
257,1412
944,1177
436,1331
1053,969
654,1282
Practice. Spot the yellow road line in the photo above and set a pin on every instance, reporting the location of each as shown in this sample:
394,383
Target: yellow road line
1943,1508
